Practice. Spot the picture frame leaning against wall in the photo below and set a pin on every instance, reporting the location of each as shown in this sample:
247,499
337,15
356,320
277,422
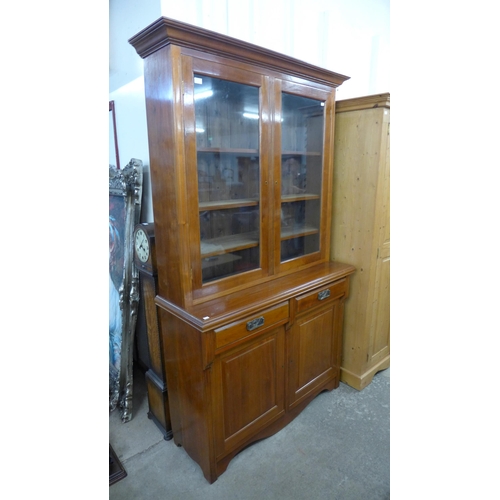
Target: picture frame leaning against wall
125,198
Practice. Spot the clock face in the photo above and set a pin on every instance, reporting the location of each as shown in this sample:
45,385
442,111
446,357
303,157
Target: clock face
141,245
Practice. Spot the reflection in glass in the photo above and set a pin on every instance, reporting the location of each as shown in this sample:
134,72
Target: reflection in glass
301,171
227,139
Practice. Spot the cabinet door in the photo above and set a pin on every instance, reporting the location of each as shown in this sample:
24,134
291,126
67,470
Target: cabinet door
303,174
314,350
248,389
226,116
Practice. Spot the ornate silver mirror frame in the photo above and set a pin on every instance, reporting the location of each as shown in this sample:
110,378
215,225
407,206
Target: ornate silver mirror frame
125,196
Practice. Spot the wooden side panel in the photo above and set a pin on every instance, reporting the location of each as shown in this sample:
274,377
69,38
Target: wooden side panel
189,387
166,152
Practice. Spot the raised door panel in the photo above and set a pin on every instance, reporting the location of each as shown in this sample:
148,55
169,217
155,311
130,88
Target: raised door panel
381,317
249,390
380,314
386,181
313,352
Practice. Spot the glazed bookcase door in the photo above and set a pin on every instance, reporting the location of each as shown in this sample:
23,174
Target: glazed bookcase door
228,113
303,143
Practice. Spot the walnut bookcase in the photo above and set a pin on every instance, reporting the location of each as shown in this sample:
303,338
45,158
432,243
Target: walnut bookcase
250,306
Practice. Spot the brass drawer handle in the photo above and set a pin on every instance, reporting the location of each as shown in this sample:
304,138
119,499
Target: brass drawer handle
255,323
324,294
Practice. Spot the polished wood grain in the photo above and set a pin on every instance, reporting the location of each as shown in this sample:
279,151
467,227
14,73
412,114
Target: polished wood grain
361,232
177,52
190,391
321,296
245,346
164,32
311,354
250,300
248,389
165,164
231,384
233,333
156,382
159,410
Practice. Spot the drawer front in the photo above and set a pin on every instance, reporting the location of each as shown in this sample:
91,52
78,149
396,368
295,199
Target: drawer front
251,325
321,295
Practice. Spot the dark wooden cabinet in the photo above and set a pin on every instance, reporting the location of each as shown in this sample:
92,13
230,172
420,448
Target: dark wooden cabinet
250,306
156,380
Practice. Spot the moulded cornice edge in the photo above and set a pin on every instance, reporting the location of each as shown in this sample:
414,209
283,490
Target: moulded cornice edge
165,31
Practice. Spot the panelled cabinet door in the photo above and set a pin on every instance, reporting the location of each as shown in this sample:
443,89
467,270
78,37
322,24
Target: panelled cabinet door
314,351
249,389
225,112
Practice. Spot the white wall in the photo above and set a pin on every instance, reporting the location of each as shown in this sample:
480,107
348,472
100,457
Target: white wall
350,37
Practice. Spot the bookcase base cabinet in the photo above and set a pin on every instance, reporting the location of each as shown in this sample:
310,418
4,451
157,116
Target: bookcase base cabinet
248,376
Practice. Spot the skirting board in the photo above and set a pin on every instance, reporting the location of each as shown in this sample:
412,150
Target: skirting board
360,382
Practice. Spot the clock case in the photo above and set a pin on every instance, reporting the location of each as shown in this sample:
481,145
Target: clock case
150,265
156,383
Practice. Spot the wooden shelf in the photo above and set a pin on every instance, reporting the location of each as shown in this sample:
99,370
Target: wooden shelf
298,230
227,244
289,198
226,204
218,260
229,150
301,153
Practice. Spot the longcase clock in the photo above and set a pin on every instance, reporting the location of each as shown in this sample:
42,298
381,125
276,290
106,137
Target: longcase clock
145,261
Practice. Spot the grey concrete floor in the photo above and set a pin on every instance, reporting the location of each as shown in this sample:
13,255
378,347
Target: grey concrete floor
338,448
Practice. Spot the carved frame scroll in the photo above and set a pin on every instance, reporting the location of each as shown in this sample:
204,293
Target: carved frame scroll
125,197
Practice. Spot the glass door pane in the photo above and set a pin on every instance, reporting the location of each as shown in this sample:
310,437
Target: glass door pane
227,119
301,175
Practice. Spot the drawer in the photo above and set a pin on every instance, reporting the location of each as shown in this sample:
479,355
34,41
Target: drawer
252,324
321,296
